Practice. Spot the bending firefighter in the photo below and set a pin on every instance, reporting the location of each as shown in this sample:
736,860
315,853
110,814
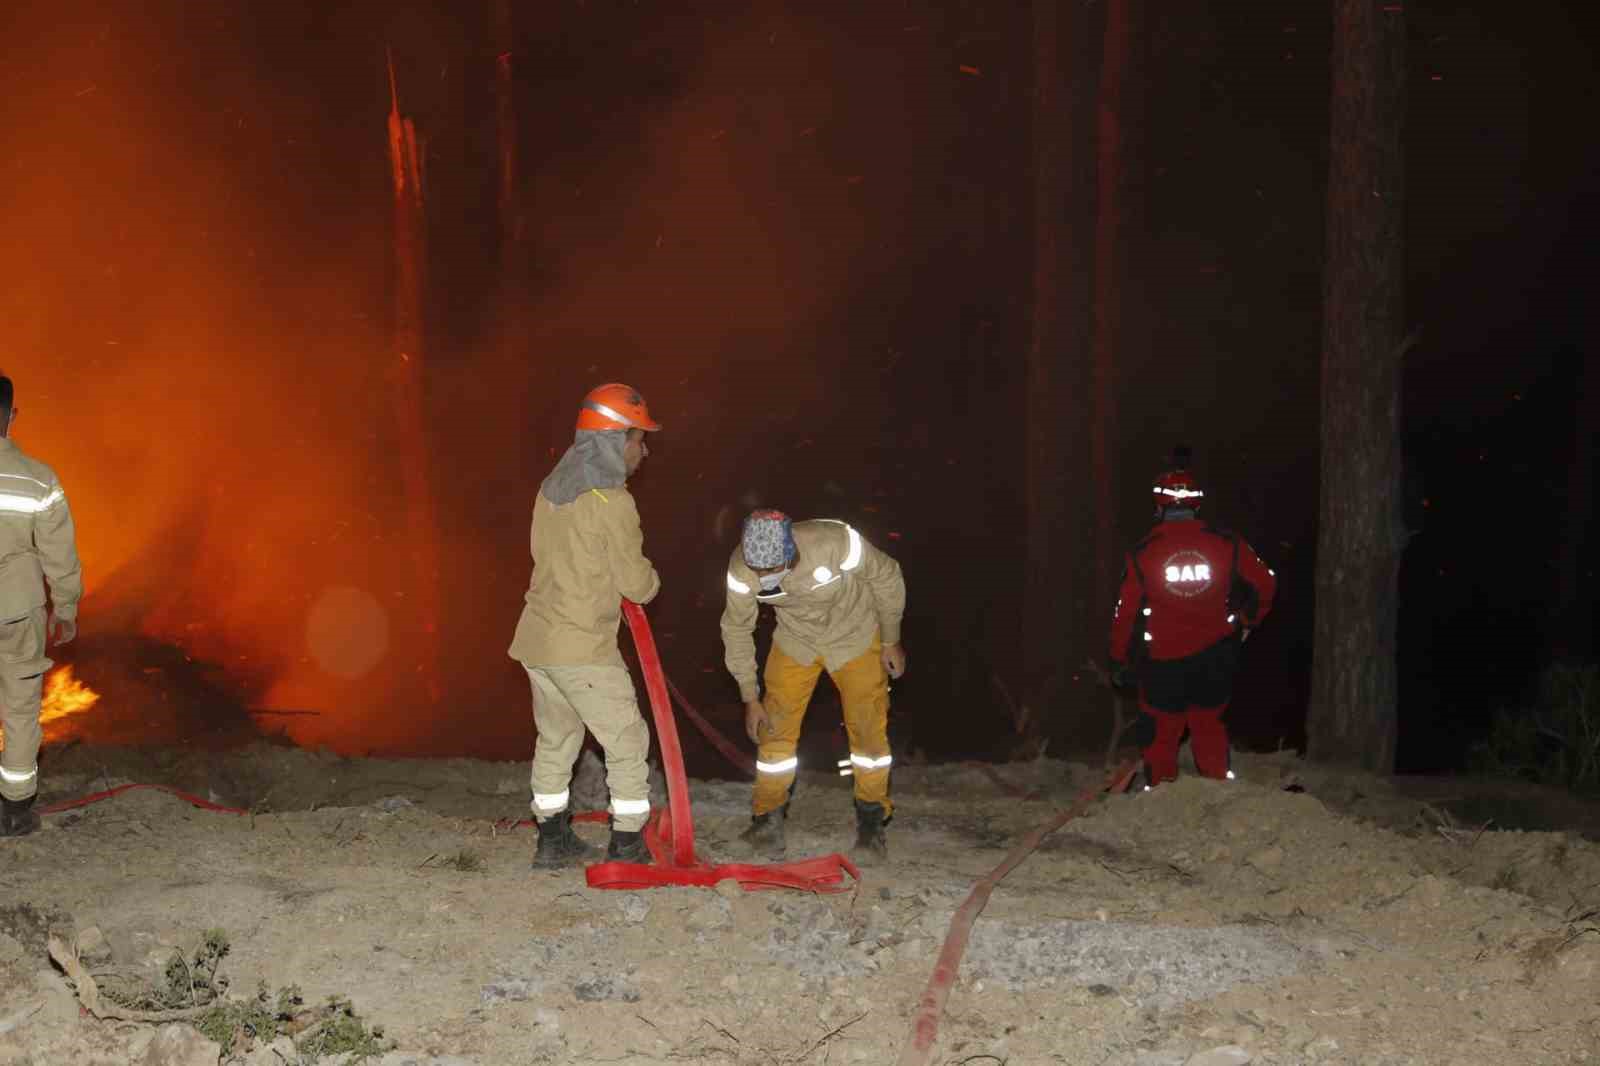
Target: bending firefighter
37,551
588,554
839,602
1191,593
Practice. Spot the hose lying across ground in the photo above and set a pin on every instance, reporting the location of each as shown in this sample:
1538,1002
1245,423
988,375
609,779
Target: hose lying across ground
925,1026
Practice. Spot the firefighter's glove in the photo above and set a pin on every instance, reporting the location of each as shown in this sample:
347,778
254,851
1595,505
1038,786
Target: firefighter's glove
757,723
62,630
1121,675
894,661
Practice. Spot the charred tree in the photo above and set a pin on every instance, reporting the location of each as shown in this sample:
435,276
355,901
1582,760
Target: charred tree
506,199
1109,260
1052,613
406,159
1354,717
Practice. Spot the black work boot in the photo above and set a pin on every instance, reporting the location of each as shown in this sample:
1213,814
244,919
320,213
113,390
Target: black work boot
872,846
627,847
18,818
765,835
558,845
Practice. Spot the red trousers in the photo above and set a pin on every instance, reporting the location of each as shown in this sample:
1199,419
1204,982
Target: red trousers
1208,739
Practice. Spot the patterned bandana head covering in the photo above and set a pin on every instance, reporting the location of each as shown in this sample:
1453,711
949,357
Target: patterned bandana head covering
768,539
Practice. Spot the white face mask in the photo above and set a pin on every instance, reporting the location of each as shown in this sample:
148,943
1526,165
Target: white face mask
770,582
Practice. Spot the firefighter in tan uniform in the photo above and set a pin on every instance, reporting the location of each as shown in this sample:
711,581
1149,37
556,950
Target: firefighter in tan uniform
37,551
839,602
588,554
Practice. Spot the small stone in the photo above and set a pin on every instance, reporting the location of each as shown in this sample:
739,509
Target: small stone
506,989
1268,858
1102,990
93,948
1226,1055
729,888
602,989
634,909
181,1045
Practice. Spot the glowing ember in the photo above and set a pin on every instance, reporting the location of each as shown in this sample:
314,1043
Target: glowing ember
64,696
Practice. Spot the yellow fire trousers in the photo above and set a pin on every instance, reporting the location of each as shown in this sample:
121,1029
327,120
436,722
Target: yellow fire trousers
864,690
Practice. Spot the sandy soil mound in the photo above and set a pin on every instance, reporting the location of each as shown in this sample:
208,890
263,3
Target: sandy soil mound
1201,923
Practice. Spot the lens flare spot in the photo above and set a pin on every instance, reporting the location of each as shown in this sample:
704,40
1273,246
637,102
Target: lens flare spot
347,632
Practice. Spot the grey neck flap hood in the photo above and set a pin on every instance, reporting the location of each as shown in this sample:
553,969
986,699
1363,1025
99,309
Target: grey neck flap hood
593,462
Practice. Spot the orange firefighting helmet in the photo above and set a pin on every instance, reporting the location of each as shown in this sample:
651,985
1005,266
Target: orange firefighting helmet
615,407
1177,487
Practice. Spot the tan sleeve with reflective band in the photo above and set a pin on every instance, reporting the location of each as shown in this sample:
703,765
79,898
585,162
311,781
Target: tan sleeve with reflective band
739,635
882,575
56,539
636,579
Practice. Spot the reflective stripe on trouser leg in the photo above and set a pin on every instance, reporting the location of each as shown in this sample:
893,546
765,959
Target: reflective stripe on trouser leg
864,690
789,687
603,700
22,667
1208,739
556,747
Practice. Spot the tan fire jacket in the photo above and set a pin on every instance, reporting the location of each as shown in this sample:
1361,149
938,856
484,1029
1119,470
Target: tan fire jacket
841,593
587,556
37,544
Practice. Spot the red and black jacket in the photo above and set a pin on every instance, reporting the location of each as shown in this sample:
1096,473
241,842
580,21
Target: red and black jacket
1185,587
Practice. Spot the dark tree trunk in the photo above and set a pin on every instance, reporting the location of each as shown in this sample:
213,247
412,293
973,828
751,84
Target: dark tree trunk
506,133
1055,366
1574,615
1353,717
406,155
1108,274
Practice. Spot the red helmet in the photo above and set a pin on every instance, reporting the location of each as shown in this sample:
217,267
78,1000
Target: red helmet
1177,487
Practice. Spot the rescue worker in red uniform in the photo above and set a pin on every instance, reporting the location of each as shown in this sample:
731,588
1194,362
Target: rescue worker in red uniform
1191,593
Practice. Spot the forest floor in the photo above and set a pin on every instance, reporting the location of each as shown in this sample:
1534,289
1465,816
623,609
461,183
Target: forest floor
1294,915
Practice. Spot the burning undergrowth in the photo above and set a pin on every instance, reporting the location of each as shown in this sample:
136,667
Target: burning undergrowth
124,689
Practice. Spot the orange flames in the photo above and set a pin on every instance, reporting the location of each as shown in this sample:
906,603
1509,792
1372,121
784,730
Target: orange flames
64,696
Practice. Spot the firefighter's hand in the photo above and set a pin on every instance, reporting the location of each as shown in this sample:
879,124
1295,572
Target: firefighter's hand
1121,675
757,723
62,630
894,661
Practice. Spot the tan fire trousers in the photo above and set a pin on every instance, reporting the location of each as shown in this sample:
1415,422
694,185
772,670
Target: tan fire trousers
566,701
22,667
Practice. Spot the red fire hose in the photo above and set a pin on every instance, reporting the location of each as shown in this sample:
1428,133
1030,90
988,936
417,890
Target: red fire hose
925,1025
670,834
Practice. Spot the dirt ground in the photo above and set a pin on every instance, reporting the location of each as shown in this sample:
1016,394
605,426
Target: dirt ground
1203,922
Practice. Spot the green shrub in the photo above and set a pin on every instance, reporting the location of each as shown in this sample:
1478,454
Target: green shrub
1557,740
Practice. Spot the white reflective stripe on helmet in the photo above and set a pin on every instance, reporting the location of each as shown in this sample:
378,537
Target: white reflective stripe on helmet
867,762
551,801
616,416
852,558
1179,494
736,585
782,766
11,503
622,806
12,777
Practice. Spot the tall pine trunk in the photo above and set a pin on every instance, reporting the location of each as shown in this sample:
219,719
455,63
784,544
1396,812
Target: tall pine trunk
406,156
1054,605
1109,258
506,135
1353,717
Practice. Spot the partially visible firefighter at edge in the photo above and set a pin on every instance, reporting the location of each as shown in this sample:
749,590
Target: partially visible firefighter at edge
38,553
1191,593
839,602
588,555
